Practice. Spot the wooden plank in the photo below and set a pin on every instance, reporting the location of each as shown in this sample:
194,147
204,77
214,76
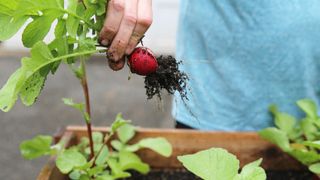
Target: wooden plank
247,146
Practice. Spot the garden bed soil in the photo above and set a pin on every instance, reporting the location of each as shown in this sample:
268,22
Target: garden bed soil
247,146
185,175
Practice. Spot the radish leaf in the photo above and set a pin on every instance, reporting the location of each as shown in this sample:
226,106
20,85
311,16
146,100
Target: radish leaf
36,147
70,159
212,164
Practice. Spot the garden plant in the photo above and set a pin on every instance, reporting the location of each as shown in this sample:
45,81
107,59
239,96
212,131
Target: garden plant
217,163
98,156
111,156
298,138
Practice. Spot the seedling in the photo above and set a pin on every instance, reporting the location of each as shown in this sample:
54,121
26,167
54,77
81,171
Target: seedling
300,139
76,32
217,163
109,162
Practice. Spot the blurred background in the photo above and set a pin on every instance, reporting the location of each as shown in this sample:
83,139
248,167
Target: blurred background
111,92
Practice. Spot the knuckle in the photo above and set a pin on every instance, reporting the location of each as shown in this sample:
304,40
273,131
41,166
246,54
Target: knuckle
121,44
134,39
130,19
118,5
145,22
110,29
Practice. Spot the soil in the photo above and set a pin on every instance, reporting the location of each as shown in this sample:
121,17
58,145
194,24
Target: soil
185,175
168,77
165,175
289,175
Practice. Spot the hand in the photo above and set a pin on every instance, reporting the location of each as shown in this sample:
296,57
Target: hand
125,25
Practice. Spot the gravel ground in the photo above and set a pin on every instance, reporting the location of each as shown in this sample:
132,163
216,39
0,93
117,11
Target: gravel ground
111,92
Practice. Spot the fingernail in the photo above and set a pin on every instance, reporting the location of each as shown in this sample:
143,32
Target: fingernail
105,42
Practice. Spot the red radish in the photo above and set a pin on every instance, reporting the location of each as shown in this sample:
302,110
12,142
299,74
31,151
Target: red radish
142,61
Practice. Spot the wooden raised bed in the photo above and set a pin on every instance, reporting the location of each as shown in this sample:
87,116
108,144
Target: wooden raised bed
247,146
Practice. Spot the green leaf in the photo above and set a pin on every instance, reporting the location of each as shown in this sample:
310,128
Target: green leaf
40,62
36,147
283,121
101,7
96,170
96,148
277,137
60,29
72,23
116,169
35,76
33,86
98,5
296,134
61,47
212,164
117,145
84,177
118,123
131,148
126,132
309,129
97,137
70,159
87,44
304,156
75,175
33,34
84,142
8,6
34,7
9,92
130,161
78,106
159,145
10,25
252,171
314,144
315,168
309,107
69,102
102,158
86,166
104,176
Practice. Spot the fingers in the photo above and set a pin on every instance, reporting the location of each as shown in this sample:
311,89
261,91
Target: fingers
113,20
125,24
144,21
116,66
128,23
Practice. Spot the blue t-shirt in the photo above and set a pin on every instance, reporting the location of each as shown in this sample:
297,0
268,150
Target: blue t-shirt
242,56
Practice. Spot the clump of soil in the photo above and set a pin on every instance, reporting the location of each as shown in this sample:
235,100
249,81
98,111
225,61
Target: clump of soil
168,77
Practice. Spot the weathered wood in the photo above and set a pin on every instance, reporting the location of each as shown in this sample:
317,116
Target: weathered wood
247,146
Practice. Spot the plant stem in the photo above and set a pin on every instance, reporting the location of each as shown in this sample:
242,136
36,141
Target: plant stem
76,54
85,88
106,142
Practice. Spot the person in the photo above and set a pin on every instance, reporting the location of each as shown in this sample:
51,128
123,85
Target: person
241,56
